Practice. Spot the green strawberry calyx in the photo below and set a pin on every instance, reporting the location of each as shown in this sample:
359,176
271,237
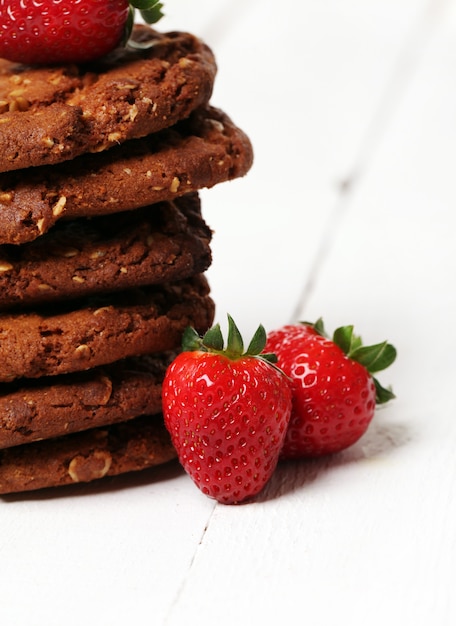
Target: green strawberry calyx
213,342
151,12
374,358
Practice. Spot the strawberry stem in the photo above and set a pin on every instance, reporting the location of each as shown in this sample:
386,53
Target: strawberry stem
213,342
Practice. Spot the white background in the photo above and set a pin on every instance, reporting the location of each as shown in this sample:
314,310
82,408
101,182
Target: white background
349,212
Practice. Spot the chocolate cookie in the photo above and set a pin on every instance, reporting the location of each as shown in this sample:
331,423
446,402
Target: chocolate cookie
165,242
80,335
52,114
201,151
87,456
45,408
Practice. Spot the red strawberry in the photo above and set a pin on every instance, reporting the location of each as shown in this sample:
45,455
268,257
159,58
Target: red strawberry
334,393
227,412
67,31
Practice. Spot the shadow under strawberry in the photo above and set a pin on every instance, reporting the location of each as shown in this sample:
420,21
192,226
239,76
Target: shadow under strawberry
295,475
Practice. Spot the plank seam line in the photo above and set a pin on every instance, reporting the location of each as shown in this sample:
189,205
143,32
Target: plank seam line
183,583
330,233
407,62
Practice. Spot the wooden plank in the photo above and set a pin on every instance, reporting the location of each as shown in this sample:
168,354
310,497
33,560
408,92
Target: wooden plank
108,554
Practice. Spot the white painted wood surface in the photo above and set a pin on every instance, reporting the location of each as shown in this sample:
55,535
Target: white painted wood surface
348,212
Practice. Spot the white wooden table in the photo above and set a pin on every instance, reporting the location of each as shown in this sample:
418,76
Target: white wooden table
349,212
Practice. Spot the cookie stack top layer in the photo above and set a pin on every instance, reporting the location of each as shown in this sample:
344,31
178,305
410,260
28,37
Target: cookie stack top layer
134,130
53,114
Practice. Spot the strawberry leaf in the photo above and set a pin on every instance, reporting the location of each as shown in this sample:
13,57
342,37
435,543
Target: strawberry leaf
128,25
235,345
257,344
382,394
213,339
151,10
191,341
318,326
375,358
343,337
258,341
347,340
270,357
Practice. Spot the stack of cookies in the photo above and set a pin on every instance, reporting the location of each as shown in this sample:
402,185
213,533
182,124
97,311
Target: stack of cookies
103,250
